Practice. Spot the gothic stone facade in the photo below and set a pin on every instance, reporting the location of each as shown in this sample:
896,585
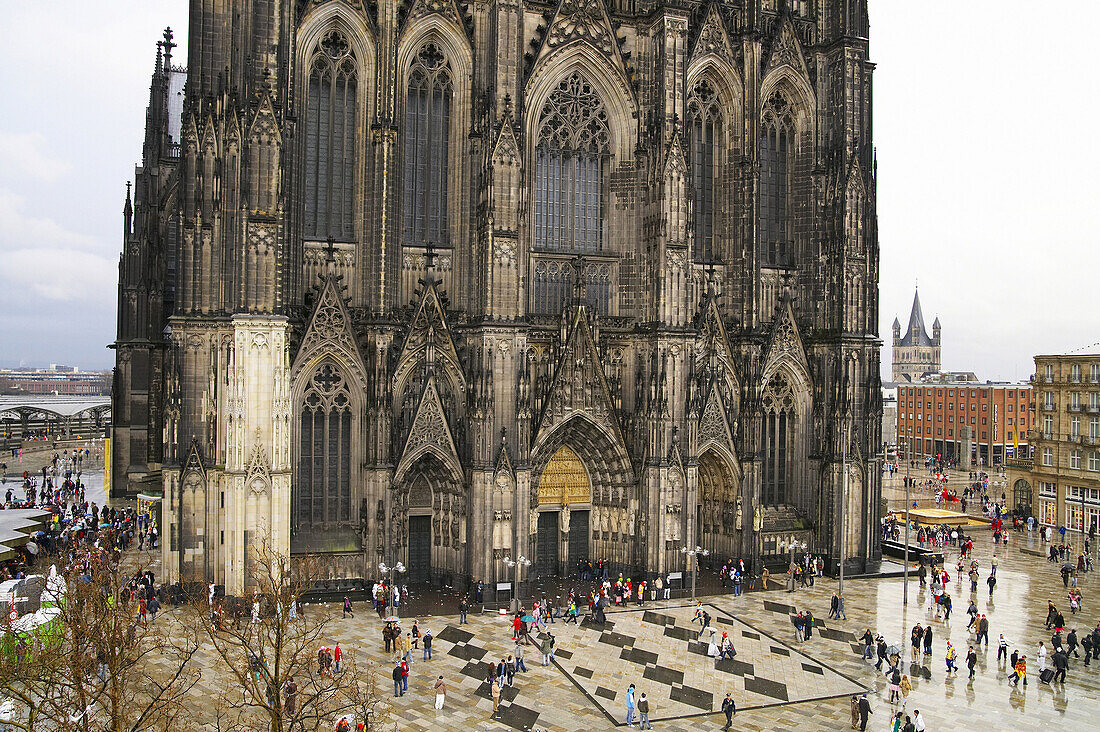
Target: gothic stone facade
441,281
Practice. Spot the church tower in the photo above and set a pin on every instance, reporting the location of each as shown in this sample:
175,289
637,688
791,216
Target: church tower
449,281
915,353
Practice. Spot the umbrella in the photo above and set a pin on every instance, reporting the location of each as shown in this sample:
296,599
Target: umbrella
32,547
104,526
1068,565
391,619
528,618
893,650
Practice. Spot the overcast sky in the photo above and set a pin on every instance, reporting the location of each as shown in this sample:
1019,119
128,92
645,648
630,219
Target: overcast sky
984,123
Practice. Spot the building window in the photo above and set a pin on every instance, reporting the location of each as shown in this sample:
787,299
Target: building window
1075,427
330,134
1094,373
1094,427
1048,372
427,138
571,161
1075,459
1075,399
555,282
1048,457
1075,373
705,153
322,486
778,406
773,226
1094,461
1048,427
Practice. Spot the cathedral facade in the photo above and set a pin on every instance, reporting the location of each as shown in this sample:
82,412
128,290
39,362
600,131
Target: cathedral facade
445,281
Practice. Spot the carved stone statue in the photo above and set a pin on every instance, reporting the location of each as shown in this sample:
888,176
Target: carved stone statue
630,524
565,520
739,512
758,519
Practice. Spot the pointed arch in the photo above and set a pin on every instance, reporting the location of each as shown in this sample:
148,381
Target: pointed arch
345,90
445,99
610,83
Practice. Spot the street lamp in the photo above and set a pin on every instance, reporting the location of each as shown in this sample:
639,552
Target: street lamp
794,545
516,564
388,570
905,569
694,553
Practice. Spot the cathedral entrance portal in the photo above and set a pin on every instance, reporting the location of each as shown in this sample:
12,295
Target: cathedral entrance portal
719,508
546,560
420,549
565,496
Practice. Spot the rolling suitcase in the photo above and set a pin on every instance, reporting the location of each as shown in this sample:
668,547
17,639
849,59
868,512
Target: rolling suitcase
1047,675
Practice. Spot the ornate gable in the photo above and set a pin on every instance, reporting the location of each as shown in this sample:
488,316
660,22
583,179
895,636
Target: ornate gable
264,122
785,342
429,433
579,384
714,428
506,150
786,50
675,160
579,21
429,327
329,332
713,39
714,341
257,476
194,462
446,8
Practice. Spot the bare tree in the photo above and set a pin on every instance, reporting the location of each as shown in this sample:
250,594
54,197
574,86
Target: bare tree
271,651
96,666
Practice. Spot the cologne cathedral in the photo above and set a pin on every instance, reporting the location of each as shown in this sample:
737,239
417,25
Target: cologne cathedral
448,281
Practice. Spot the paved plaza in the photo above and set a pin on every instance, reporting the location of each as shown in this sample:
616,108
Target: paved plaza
779,683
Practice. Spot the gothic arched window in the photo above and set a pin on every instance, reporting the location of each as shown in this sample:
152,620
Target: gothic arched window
427,133
322,486
573,147
330,132
704,155
773,226
555,282
778,408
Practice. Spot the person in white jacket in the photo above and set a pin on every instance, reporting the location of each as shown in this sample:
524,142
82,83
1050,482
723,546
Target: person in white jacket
918,721
1042,655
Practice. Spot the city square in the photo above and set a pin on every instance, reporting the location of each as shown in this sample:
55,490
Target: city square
557,364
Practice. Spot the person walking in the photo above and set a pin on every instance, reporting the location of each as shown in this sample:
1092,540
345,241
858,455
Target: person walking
643,713
1061,663
520,665
1019,672
918,721
971,660
337,656
463,608
983,631
840,614
630,706
729,708
544,649
1002,649
1042,656
427,645
864,711
440,692
347,607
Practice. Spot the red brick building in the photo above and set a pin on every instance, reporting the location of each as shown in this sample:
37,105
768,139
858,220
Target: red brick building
988,421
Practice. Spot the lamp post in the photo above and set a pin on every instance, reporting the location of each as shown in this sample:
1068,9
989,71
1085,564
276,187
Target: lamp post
794,545
905,569
843,505
516,564
694,554
385,569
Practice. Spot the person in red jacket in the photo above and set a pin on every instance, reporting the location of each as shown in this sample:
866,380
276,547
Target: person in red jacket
337,656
